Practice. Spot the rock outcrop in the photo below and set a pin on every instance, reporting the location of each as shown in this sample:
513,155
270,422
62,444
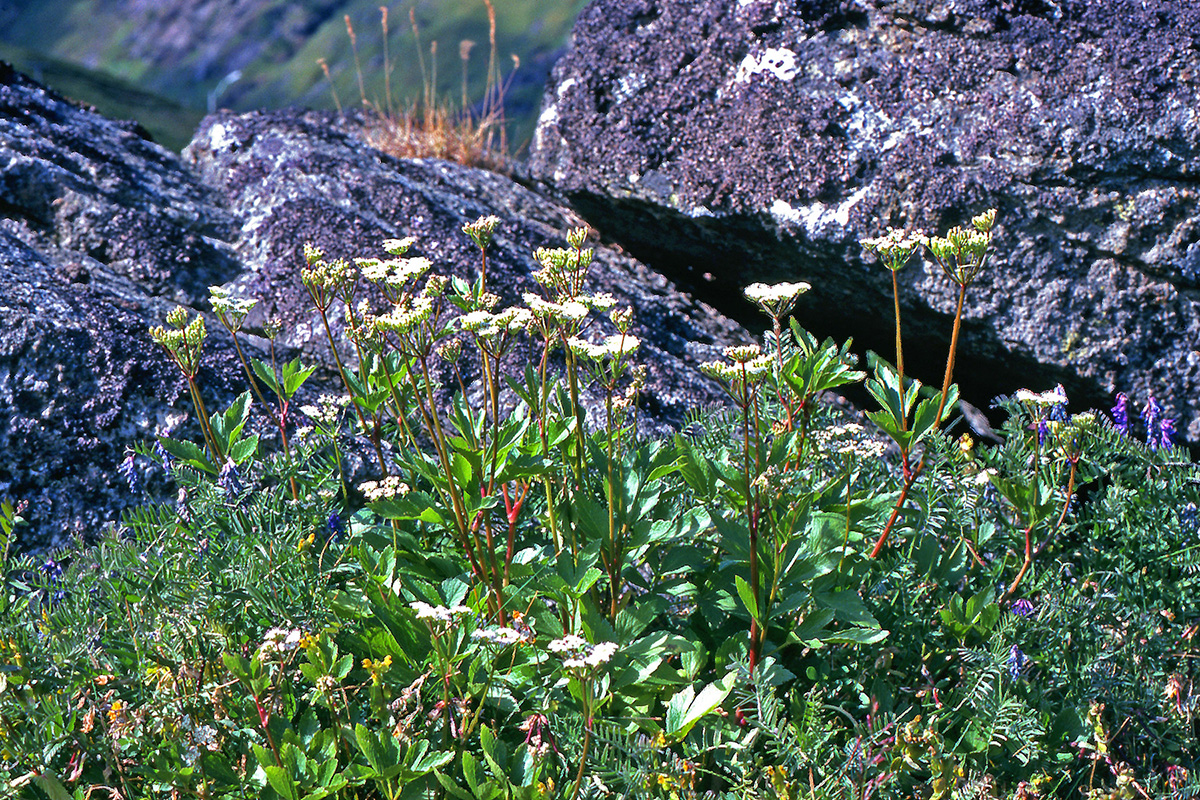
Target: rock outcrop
103,232
752,139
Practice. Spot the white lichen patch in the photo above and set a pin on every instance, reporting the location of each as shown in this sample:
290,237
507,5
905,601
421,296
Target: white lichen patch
817,219
778,62
629,85
220,138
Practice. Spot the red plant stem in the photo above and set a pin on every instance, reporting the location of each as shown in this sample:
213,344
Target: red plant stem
962,295
1066,507
1024,567
887,529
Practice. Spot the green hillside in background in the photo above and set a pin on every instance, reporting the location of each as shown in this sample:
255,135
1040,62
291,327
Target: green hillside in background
119,54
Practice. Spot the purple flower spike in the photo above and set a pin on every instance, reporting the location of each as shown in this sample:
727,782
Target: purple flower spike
129,471
1043,431
1017,662
1058,412
1166,432
1152,415
1120,414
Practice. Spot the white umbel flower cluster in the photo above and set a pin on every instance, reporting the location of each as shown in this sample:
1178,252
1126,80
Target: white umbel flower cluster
614,346
382,490
578,655
775,299
1054,397
438,613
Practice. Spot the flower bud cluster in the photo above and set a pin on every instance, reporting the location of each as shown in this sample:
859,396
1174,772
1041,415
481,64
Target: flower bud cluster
231,311
182,339
563,270
481,230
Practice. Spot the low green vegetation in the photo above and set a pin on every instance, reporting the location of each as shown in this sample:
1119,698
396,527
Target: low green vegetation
527,600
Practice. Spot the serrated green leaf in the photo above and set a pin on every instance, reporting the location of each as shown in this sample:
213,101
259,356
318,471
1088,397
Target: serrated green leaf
282,782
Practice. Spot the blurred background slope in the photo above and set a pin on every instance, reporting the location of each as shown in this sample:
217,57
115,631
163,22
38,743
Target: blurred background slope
164,63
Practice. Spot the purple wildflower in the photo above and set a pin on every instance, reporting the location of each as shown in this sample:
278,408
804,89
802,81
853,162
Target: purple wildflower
1022,608
1043,428
1058,412
1151,415
129,471
1120,414
228,481
1017,662
1166,432
52,570
335,525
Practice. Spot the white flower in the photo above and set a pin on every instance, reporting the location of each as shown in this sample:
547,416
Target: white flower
602,301
477,321
984,477
601,653
1054,397
567,643
399,247
438,613
381,490
770,295
280,640
740,354
405,316
500,636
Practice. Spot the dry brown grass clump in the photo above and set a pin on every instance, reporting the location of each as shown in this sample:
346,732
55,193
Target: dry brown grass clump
433,127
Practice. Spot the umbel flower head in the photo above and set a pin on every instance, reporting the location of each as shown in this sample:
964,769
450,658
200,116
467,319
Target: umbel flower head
895,247
230,310
481,230
777,299
962,252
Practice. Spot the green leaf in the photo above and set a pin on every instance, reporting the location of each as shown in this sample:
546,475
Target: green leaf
452,787
856,636
294,376
687,708
368,744
52,787
282,782
265,374
187,452
244,449
748,598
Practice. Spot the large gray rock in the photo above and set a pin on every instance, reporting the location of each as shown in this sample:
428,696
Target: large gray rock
747,139
301,178
103,232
